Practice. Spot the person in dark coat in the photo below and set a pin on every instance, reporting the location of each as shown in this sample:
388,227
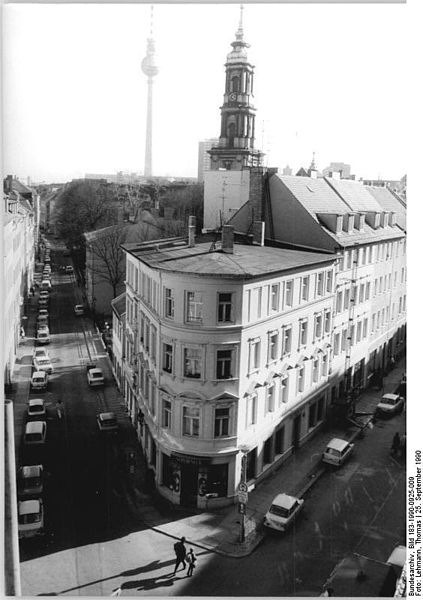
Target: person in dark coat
191,560
181,553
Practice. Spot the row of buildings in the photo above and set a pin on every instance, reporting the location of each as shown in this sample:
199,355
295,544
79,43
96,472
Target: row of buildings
21,221
231,349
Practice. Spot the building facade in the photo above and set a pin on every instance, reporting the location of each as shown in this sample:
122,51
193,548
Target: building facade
204,160
223,361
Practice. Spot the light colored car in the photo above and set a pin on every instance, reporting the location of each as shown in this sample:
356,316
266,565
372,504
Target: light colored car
283,512
40,353
78,310
107,422
43,336
43,364
337,452
35,433
39,380
45,294
95,376
69,269
45,284
42,302
30,481
397,559
43,312
390,404
36,408
30,517
42,320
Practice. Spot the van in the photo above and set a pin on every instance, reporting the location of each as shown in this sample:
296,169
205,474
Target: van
35,432
337,452
30,517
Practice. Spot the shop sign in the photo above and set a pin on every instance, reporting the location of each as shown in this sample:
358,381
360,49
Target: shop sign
241,508
243,487
242,497
186,459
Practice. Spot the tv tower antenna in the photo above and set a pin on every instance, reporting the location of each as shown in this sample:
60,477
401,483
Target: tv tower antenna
150,69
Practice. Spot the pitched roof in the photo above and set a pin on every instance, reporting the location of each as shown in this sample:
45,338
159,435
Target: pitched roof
314,194
119,304
389,202
355,195
246,262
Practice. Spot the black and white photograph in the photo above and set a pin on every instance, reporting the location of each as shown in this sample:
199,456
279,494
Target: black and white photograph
205,301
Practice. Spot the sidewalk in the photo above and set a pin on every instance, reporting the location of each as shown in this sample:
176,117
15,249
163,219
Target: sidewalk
219,531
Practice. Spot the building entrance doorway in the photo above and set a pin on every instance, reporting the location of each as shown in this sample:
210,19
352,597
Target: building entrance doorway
189,485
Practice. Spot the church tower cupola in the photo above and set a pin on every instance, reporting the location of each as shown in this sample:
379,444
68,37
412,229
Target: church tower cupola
236,142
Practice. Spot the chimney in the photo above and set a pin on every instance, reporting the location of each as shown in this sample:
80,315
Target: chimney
191,231
7,186
228,239
258,233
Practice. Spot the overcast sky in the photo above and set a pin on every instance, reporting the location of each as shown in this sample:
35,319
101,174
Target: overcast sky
329,79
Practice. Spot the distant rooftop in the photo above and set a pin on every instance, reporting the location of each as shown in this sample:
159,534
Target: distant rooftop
246,262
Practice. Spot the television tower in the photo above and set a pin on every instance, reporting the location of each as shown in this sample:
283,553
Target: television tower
150,69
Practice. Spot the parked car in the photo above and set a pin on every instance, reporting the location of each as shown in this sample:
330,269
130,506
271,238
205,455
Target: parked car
42,320
107,422
283,512
78,310
30,481
397,559
69,269
36,408
43,302
30,517
45,284
42,312
337,452
39,380
43,364
95,376
35,433
390,404
40,353
43,336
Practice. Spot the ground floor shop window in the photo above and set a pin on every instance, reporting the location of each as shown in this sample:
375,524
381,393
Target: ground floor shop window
217,479
251,464
279,440
170,473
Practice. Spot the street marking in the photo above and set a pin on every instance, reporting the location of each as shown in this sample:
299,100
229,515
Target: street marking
367,494
348,496
389,475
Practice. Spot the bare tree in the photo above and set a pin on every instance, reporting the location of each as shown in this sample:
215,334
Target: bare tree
108,261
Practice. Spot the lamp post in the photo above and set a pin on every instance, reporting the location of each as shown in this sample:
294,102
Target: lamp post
243,494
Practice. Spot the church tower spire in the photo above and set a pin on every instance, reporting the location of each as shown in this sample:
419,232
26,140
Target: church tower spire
237,131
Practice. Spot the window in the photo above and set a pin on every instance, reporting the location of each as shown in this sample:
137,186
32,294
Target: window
365,326
375,288
270,398
400,305
361,295
147,336
329,281
191,421
327,320
252,409
289,287
346,299
153,341
324,365
224,310
367,293
168,358
352,335
320,283
339,302
318,326
344,261
350,258
224,364
142,327
254,355
259,293
303,332
284,389
373,322
300,379
395,278
194,307
221,422
402,275
315,370
344,340
286,340
305,287
273,346
274,297
167,414
192,362
389,281
359,330
169,304
336,344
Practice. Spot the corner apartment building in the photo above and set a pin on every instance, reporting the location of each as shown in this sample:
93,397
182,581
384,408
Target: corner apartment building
227,353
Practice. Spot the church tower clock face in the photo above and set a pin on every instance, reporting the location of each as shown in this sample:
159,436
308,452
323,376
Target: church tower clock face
233,96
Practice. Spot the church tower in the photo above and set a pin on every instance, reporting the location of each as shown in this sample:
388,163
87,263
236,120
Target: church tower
237,131
235,166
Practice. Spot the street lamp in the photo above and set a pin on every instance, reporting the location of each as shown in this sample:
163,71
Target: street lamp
243,492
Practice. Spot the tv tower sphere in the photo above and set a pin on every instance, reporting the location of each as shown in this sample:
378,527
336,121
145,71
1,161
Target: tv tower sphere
148,64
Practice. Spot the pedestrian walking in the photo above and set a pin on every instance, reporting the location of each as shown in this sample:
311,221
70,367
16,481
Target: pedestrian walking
191,560
396,443
59,409
181,552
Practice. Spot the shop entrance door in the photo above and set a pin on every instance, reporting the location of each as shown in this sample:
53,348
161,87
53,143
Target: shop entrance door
189,485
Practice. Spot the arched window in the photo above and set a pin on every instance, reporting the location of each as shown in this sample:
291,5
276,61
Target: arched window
231,134
235,84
